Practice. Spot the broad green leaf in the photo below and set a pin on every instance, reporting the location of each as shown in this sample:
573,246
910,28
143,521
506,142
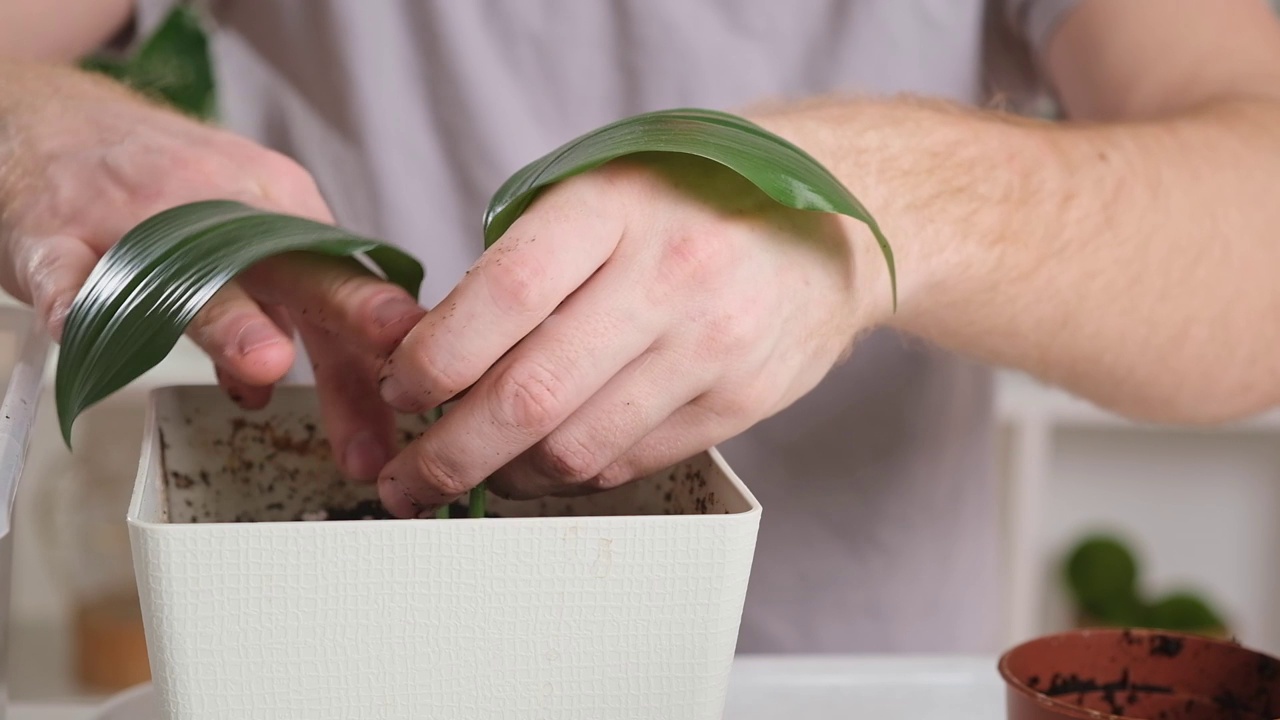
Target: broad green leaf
144,291
783,171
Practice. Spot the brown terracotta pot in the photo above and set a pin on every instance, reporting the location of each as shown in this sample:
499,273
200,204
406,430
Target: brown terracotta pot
1109,674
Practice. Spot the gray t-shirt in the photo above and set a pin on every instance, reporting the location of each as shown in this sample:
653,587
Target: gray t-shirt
881,523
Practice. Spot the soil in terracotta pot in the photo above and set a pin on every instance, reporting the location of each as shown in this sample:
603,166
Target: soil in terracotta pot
371,510
1140,674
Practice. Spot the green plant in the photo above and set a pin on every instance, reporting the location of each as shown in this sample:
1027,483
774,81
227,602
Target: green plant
1184,611
1102,576
145,290
172,65
141,295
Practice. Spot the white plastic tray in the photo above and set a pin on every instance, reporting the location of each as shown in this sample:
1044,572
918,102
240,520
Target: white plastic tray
806,688
26,342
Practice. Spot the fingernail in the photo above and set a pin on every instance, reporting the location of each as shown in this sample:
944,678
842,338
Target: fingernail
255,336
392,390
365,456
394,309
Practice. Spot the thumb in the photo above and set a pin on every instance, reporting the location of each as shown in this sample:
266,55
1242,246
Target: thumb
49,272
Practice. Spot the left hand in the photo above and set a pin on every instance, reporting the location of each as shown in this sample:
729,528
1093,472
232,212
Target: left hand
631,317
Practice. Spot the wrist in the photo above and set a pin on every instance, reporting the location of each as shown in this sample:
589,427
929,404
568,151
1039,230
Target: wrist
820,128
944,183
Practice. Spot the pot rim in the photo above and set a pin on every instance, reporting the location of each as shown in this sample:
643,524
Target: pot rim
152,443
1074,711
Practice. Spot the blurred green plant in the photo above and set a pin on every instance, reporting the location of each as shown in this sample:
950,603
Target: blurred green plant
172,65
1187,611
1102,575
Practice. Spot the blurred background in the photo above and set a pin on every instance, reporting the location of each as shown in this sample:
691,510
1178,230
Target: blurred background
1107,521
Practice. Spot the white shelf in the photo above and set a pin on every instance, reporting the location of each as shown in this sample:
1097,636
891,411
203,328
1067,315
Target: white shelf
1202,504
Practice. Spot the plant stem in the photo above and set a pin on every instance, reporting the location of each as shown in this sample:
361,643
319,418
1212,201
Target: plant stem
475,508
435,414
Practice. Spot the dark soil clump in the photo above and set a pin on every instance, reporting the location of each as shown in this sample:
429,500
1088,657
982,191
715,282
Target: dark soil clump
371,510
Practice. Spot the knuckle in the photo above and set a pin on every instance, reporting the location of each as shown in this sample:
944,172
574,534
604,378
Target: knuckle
697,257
564,457
529,396
439,476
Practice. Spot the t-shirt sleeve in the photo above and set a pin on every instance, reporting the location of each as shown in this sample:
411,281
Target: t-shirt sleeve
1035,20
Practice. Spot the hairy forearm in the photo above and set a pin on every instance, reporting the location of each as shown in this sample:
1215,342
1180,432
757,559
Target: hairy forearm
35,94
1132,264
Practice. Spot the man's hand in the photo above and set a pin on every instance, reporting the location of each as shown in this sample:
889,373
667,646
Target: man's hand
82,161
631,317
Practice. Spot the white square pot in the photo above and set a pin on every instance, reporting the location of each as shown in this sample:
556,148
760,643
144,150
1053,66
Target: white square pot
620,605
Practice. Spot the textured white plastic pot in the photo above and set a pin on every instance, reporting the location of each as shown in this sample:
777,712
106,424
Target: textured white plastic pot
624,604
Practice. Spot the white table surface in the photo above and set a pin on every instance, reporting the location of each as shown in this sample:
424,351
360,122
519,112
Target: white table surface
22,711
812,687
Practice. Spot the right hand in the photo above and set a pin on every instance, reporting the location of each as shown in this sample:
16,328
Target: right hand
82,161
